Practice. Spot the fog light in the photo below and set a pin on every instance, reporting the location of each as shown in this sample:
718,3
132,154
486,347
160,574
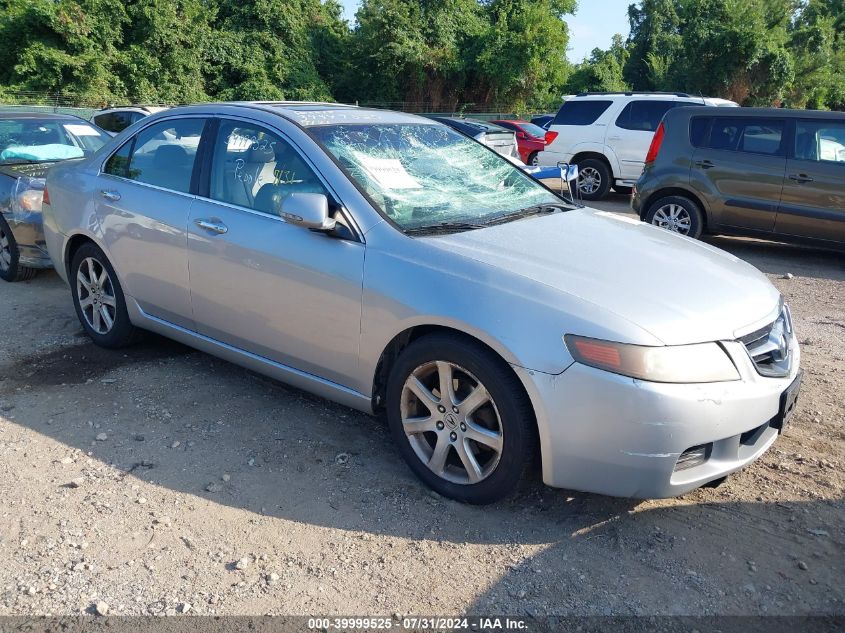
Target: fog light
693,457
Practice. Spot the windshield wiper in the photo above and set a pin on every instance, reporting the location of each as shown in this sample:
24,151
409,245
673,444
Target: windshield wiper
443,227
537,209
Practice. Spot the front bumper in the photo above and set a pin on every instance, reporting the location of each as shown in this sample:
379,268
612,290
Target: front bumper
605,433
28,232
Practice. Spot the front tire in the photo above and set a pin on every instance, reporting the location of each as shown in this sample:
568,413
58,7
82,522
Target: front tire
99,300
593,179
10,268
677,214
460,418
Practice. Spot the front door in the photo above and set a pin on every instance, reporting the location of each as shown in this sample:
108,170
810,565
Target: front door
142,203
260,284
740,169
813,201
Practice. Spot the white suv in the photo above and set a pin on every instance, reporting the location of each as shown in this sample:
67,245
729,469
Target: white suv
607,135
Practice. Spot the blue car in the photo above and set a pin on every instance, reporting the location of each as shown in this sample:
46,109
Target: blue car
30,143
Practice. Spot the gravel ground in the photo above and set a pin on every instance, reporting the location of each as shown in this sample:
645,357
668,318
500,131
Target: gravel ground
159,480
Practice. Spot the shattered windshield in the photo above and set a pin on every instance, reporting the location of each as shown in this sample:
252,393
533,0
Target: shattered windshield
427,174
46,140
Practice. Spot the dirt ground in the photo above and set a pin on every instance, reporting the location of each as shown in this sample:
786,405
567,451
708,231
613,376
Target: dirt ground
159,480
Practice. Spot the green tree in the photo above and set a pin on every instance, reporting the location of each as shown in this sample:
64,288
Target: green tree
602,71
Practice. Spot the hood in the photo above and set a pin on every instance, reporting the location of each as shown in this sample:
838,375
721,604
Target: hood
679,290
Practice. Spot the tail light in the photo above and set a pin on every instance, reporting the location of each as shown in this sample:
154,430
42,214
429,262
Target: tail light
550,137
656,142
45,199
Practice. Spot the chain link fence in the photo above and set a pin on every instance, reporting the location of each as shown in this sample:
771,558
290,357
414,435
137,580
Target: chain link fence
73,104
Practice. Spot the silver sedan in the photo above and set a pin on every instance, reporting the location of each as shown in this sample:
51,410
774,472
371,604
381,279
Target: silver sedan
386,262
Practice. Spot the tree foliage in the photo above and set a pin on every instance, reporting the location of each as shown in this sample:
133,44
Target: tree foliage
428,54
755,52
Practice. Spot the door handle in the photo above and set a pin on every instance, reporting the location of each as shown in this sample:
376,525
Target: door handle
211,226
110,195
704,164
800,178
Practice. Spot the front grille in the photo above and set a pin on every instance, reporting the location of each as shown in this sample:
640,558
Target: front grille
770,347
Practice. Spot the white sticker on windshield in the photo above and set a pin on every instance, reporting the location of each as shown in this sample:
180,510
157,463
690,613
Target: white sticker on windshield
387,172
81,130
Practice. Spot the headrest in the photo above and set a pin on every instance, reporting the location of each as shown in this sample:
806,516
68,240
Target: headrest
168,156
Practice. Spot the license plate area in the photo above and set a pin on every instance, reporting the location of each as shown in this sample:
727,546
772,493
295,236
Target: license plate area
788,404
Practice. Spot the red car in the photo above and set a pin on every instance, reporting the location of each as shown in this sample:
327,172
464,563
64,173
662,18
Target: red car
530,139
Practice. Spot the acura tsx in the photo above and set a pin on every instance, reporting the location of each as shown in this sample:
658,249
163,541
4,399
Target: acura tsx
391,264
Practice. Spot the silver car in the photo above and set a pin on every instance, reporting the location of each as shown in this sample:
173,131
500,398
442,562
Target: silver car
389,263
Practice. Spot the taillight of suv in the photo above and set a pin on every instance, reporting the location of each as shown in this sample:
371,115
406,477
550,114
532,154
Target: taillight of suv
550,137
656,142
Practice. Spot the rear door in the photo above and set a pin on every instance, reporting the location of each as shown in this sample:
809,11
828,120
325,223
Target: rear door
739,170
577,123
813,200
629,136
142,201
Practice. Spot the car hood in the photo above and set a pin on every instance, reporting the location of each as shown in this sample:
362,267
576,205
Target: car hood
679,290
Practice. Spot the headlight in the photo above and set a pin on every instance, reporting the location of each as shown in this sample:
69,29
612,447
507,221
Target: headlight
703,362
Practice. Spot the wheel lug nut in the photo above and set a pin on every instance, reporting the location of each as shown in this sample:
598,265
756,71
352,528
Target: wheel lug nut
463,427
453,436
454,409
439,426
441,408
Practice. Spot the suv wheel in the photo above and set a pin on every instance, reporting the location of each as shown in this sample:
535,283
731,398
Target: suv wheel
677,214
10,269
593,179
460,418
98,299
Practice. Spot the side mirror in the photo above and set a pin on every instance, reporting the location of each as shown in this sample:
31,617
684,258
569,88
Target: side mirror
308,210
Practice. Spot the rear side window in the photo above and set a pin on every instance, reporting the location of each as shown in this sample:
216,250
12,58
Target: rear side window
161,155
755,136
581,112
822,141
643,115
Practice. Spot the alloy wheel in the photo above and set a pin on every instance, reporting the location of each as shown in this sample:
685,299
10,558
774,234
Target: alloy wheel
673,217
95,291
5,251
589,180
451,422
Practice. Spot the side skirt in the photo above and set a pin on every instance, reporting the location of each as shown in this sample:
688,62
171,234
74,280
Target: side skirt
260,364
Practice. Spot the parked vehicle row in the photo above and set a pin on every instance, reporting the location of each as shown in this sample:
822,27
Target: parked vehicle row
389,263
770,173
29,144
607,135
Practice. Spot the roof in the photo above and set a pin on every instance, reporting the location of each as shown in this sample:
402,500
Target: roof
12,114
311,113
760,112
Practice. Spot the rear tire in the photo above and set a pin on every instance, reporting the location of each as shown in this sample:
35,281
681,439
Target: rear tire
677,214
593,179
533,159
10,268
472,444
99,300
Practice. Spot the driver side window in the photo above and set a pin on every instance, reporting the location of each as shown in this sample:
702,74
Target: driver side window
255,168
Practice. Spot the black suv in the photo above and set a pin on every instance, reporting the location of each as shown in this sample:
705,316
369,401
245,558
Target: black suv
770,173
